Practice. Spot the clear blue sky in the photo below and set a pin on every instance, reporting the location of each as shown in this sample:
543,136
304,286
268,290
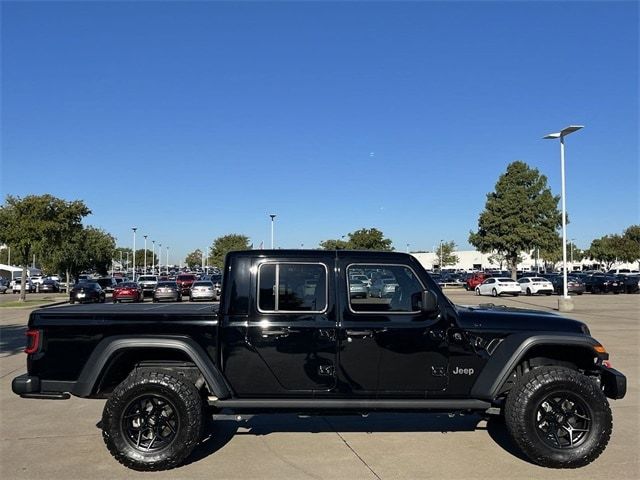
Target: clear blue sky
194,120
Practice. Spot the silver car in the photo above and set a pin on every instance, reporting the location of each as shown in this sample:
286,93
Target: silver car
202,290
357,289
167,291
383,287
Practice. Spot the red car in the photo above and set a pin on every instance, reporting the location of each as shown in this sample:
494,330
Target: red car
128,291
475,280
184,281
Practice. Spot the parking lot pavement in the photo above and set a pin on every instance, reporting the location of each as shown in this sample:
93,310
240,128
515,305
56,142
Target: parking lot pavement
60,440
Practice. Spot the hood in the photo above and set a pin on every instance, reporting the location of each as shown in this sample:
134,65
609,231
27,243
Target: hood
497,317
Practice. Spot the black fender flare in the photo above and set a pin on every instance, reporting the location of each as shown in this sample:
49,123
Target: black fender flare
512,350
108,347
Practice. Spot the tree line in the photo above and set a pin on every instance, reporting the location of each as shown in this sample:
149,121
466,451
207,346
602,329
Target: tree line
520,215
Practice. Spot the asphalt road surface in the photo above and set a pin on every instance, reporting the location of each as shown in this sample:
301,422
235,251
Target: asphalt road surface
49,439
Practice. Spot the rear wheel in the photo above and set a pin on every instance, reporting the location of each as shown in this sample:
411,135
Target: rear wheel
152,421
528,292
558,417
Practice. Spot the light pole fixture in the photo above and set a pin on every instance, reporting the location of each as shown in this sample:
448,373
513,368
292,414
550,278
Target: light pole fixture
153,256
134,254
159,258
441,259
561,134
145,254
167,260
273,216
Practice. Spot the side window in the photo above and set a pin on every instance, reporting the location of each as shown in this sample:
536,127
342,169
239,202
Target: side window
292,287
393,288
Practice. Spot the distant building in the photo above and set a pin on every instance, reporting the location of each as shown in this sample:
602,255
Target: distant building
470,260
10,272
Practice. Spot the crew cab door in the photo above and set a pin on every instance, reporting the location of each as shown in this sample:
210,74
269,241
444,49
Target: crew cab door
387,345
292,330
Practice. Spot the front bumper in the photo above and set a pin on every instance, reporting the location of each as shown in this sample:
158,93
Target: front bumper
614,383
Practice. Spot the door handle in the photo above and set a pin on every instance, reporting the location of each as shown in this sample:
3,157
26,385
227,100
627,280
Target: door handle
279,332
359,333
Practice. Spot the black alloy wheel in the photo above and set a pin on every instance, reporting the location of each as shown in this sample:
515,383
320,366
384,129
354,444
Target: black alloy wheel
563,420
153,420
150,422
558,417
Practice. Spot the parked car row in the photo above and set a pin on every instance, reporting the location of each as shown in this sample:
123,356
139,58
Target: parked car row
127,291
577,283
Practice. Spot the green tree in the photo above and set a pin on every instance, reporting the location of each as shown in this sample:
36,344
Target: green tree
89,248
38,223
363,239
140,258
225,244
333,244
194,258
519,215
369,239
605,250
445,254
631,248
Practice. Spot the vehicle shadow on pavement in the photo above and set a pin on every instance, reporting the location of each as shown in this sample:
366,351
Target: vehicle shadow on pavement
12,339
220,431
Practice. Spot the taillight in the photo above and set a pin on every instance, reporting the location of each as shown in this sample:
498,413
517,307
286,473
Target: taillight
33,341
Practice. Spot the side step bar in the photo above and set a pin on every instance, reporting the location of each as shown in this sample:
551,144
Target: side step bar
341,404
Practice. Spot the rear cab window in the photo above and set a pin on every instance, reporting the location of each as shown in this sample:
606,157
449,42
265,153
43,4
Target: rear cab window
285,287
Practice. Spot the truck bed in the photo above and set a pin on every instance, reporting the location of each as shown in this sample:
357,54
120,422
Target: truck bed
134,308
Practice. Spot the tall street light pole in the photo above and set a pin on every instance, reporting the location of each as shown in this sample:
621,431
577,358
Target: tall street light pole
273,216
145,254
167,260
153,256
134,254
564,304
441,259
159,258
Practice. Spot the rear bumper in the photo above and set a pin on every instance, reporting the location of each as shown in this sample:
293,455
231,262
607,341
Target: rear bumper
613,382
31,387
25,384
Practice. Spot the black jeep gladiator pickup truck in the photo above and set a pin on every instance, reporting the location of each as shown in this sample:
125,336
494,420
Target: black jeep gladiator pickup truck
294,332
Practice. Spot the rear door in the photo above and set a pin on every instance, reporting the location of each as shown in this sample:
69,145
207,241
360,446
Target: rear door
292,328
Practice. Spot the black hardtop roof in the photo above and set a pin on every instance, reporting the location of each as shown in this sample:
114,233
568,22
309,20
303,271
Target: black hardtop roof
368,254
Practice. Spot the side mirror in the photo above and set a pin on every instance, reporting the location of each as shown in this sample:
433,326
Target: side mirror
429,302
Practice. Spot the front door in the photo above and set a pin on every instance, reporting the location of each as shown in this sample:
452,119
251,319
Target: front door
387,345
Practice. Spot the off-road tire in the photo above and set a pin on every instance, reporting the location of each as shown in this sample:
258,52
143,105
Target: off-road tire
186,409
528,397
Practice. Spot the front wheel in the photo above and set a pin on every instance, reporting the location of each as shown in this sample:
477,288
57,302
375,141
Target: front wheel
558,417
494,293
528,292
152,421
